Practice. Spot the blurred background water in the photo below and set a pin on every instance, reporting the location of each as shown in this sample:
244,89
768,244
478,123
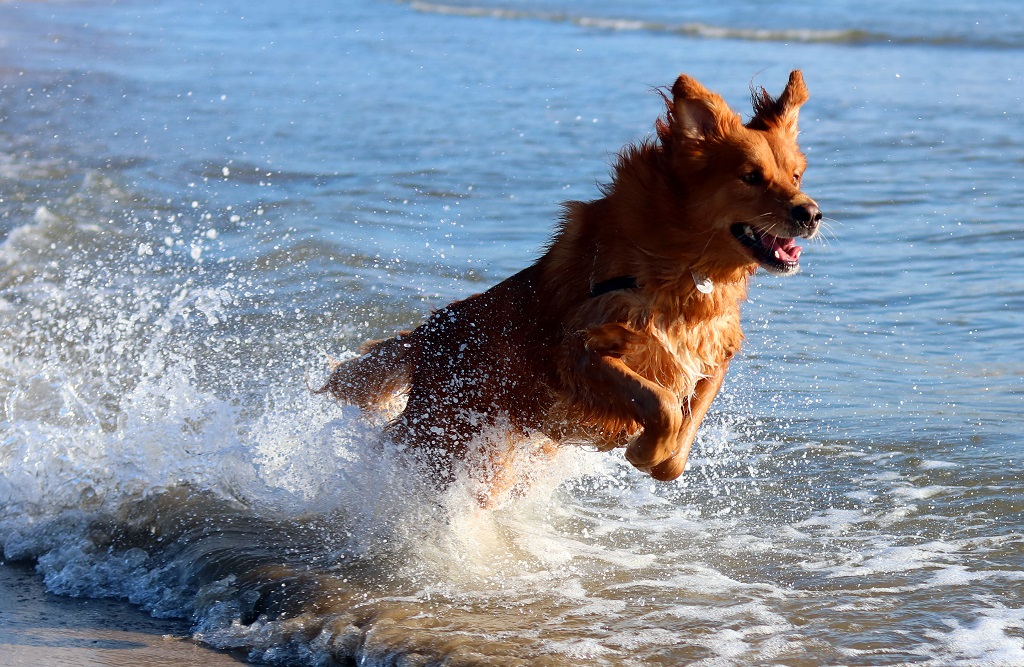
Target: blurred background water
200,201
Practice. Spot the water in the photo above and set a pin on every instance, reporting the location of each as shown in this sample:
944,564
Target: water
199,203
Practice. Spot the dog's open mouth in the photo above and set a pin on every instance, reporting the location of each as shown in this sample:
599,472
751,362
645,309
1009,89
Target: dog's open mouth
778,255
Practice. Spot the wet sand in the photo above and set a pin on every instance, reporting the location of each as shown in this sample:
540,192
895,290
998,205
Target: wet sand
38,628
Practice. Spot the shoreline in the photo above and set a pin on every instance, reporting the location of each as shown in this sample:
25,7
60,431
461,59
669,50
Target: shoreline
40,628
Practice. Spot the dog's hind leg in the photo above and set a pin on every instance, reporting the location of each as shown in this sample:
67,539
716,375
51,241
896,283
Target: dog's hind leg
435,431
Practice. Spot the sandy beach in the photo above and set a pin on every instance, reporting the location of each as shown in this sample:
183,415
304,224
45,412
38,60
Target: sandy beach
38,628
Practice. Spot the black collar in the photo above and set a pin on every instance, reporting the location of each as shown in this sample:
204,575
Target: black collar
613,285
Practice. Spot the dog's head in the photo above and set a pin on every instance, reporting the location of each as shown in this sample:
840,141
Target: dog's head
741,182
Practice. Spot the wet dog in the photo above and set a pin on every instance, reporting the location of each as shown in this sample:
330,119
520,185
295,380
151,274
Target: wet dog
621,333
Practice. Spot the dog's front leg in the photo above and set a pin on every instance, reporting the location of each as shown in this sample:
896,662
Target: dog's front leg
652,406
693,414
624,393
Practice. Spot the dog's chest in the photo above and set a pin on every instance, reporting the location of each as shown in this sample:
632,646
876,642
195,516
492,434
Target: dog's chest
678,352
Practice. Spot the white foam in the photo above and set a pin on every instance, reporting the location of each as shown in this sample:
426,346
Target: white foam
835,520
983,641
921,493
937,465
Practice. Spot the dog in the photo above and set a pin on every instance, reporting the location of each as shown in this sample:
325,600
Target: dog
620,334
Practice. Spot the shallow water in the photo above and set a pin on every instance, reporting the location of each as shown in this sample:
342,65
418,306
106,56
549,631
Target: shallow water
199,204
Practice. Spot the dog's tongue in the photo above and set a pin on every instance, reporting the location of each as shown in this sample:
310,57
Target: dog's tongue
784,250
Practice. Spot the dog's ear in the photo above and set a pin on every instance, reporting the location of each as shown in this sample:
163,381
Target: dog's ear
782,113
696,113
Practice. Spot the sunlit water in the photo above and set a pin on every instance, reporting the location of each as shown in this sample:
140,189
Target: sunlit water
199,203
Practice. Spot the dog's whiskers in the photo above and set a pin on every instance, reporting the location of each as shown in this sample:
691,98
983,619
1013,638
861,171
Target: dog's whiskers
825,232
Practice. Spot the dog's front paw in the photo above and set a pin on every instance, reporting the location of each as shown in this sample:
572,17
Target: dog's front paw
669,469
658,443
664,470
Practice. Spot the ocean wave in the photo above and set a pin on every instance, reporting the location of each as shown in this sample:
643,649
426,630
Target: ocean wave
848,36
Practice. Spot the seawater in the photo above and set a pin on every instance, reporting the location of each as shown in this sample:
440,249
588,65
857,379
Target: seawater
200,203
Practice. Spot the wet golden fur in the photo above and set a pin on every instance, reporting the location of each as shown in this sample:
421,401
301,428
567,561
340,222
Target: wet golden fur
635,367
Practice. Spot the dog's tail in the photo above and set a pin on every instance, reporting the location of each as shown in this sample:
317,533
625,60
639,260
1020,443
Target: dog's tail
372,379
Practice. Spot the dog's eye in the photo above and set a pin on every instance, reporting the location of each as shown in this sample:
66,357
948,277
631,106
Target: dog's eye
753,177
796,178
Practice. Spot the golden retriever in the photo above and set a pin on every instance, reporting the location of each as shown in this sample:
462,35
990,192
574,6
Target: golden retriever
620,334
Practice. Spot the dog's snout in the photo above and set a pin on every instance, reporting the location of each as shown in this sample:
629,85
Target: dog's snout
806,215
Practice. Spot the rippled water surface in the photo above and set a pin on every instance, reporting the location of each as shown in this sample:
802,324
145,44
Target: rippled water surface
200,203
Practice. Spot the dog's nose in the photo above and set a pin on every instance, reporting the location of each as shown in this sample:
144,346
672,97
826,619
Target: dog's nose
806,215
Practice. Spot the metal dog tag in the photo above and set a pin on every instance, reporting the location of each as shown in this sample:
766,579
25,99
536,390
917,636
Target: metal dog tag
702,283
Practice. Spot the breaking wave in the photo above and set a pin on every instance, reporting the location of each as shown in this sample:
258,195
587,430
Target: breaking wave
849,36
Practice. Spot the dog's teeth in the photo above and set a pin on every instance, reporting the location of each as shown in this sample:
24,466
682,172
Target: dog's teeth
778,255
748,231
